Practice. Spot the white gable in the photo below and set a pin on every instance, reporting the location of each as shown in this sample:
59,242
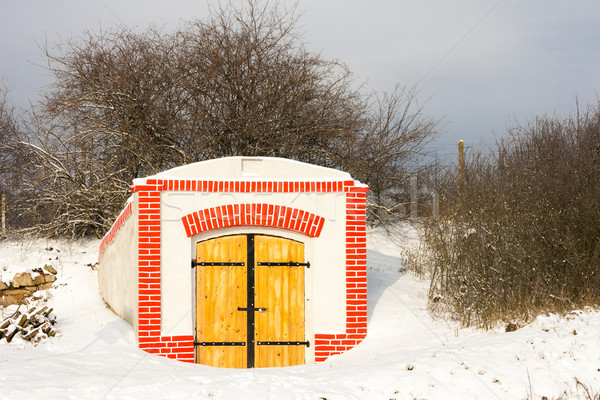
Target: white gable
236,168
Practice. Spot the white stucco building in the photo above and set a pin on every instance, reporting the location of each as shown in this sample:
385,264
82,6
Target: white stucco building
241,262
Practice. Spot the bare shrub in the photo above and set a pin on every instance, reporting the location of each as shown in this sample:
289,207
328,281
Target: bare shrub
523,235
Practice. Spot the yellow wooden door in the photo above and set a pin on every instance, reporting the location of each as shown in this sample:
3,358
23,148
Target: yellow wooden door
221,280
279,289
254,320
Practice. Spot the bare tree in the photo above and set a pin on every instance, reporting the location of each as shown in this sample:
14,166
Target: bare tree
390,151
255,90
70,189
8,137
127,104
13,157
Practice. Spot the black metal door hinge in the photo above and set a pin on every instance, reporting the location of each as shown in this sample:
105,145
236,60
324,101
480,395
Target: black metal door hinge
220,343
283,264
274,343
217,264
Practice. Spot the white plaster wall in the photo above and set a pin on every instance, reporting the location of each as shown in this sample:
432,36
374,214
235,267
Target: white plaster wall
117,272
325,279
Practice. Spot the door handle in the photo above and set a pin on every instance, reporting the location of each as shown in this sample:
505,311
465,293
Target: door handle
259,309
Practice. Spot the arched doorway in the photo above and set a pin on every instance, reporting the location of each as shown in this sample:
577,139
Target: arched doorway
250,301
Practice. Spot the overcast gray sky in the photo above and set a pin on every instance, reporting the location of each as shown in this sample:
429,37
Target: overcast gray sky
480,64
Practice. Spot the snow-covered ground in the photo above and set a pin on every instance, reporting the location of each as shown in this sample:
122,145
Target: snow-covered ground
406,355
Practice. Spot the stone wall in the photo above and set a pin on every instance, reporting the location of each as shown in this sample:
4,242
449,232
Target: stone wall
25,284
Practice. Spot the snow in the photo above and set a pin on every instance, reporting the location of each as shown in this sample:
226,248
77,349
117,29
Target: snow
406,355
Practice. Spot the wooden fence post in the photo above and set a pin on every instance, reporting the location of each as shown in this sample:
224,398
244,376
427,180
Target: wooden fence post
3,215
461,165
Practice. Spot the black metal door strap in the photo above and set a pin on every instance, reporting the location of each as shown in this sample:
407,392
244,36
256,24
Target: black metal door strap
250,300
220,343
307,343
283,264
216,264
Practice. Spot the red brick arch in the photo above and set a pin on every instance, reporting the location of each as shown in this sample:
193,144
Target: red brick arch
253,214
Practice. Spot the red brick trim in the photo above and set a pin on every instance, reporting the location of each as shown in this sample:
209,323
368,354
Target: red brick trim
114,229
244,186
149,290
327,345
176,347
269,215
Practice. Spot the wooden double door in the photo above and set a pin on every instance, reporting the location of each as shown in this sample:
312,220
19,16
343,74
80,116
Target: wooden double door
250,302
